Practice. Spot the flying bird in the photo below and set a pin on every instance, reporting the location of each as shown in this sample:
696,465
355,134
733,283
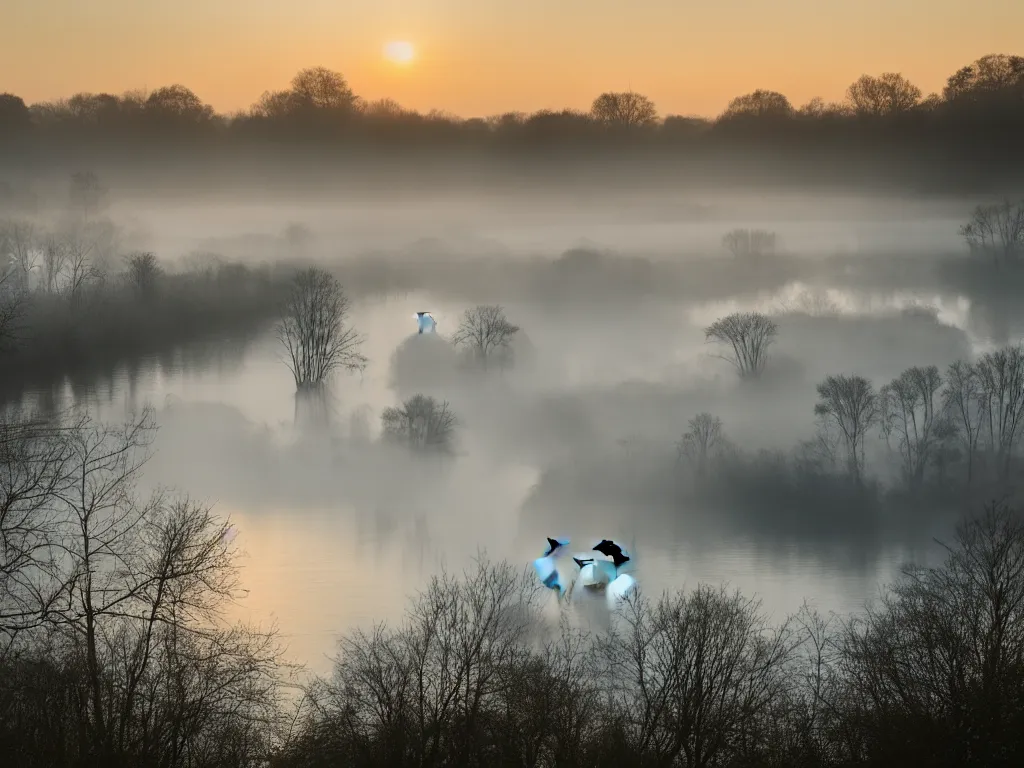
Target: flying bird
555,544
614,551
426,322
545,566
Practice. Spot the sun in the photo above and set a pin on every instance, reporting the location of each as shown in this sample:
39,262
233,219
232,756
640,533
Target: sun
399,52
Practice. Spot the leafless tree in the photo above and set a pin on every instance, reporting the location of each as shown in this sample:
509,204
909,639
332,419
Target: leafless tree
910,411
749,335
142,274
314,333
12,306
55,257
996,230
889,93
693,675
759,104
429,691
485,331
80,270
964,401
19,254
625,109
35,465
822,452
851,405
935,669
701,441
745,243
422,423
1001,376
156,672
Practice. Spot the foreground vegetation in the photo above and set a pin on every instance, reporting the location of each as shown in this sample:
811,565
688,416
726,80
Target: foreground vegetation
117,651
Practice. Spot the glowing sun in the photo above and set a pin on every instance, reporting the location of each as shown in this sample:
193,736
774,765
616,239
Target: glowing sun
399,52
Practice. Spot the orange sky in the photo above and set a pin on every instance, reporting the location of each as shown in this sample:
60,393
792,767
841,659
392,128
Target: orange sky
480,57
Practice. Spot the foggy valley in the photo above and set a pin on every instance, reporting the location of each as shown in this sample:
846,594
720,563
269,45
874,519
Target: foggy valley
226,449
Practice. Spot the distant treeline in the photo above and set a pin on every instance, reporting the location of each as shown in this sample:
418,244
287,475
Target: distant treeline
975,124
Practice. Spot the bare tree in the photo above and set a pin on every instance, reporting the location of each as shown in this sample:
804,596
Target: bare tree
314,333
701,441
744,243
1001,375
485,331
431,691
19,254
35,465
851,404
759,104
12,306
55,257
143,274
625,109
422,423
693,675
889,93
156,672
910,411
933,672
749,335
80,269
965,404
996,230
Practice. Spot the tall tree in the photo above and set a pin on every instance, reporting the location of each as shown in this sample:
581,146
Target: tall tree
889,93
626,109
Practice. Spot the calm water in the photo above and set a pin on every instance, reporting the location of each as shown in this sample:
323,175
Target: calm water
322,558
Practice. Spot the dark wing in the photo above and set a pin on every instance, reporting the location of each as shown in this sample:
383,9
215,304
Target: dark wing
552,546
612,550
618,558
579,562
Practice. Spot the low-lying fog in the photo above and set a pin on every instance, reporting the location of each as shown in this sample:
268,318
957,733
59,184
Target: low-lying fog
612,364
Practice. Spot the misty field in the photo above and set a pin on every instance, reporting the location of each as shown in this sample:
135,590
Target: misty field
226,446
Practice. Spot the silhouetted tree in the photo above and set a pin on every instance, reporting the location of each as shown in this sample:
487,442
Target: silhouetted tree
691,674
422,423
997,231
1001,376
485,331
19,253
319,88
15,118
701,442
851,405
748,334
143,274
761,104
964,402
314,333
932,675
627,109
890,93
989,75
911,412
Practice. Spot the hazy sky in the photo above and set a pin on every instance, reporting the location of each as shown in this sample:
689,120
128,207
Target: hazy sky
478,57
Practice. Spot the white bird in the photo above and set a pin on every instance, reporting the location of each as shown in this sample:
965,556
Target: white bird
595,574
426,322
619,589
546,568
